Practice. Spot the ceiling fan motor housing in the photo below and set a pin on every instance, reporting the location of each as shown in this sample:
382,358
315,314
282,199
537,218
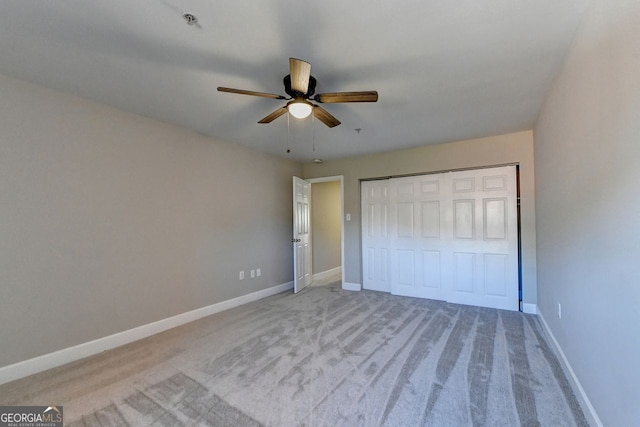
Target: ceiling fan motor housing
294,94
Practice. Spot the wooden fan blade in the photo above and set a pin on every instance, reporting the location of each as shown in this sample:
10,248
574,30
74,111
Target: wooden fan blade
324,116
250,92
300,72
328,98
271,117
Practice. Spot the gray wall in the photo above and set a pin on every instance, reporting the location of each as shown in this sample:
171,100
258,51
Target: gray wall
326,226
110,220
491,151
587,154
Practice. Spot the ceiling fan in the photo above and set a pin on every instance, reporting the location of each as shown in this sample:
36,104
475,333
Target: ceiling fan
300,85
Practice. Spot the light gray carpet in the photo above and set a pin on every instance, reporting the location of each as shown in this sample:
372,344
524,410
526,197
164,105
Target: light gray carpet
323,357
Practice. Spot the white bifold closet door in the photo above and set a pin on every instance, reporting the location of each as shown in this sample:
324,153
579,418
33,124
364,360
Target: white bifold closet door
375,235
450,236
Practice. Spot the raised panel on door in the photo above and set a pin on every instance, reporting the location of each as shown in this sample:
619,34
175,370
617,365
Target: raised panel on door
431,277
496,219
301,264
464,272
375,235
496,271
431,219
406,268
405,220
464,219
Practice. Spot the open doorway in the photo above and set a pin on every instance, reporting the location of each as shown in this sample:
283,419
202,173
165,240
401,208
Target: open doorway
327,229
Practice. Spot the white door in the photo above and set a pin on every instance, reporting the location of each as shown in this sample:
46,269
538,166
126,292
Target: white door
484,240
451,236
375,235
418,238
301,234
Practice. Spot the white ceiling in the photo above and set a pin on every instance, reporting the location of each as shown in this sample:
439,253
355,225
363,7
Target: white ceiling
445,70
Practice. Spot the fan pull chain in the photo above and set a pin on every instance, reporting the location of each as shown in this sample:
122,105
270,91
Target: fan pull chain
288,131
313,130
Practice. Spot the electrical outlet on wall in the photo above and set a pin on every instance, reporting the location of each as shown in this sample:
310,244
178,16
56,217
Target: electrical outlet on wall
253,274
241,275
258,272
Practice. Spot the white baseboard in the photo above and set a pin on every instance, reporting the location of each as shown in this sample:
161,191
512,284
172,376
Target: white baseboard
323,275
70,354
575,383
529,308
351,286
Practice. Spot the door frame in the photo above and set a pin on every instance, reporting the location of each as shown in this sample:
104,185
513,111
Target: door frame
334,178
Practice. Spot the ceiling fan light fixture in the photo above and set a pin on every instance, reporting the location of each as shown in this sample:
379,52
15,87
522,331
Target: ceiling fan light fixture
300,109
